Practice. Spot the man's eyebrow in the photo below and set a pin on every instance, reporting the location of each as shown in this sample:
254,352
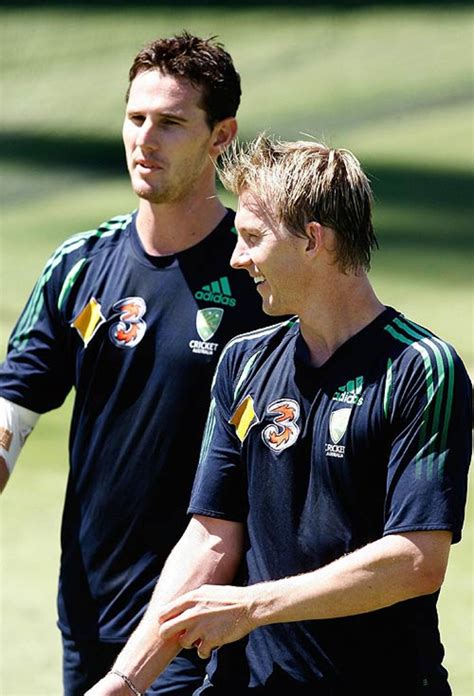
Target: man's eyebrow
248,229
173,116
131,110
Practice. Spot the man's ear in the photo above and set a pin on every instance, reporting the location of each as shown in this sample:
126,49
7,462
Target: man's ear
222,135
314,236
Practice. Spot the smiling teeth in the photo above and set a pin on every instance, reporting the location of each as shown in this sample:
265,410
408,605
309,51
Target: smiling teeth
258,279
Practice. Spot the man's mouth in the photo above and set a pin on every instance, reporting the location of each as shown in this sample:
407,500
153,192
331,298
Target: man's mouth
147,164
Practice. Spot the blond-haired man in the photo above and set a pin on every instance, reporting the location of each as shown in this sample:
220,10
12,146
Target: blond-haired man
333,471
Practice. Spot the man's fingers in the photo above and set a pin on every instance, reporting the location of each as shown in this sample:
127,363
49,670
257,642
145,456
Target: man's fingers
174,609
205,652
176,628
185,639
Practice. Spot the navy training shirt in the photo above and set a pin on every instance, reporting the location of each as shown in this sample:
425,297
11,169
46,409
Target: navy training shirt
318,462
138,337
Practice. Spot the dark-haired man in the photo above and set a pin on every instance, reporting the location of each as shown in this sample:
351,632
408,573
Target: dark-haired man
133,315
333,472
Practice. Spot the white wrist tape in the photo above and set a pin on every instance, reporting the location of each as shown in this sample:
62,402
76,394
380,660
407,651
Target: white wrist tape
16,423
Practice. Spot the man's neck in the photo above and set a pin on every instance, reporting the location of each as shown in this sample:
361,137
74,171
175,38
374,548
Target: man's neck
335,319
169,228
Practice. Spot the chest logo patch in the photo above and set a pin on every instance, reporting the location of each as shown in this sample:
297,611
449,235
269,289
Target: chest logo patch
130,328
338,422
244,418
284,430
208,321
218,291
350,393
89,319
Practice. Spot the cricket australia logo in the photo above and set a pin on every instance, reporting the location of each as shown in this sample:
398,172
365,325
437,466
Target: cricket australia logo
338,422
284,430
130,328
207,323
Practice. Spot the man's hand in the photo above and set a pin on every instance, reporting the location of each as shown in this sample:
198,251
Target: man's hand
208,617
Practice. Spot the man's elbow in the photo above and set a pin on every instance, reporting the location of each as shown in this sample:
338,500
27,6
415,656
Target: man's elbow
428,578
430,562
425,559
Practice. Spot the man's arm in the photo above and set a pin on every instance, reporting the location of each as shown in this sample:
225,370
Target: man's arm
390,570
208,552
16,423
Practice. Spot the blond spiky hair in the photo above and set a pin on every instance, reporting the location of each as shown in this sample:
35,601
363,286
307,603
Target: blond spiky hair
295,183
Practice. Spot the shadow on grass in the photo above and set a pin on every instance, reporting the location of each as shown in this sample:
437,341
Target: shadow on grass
101,155
446,195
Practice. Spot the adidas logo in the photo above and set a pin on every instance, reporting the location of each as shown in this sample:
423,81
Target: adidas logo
218,291
350,393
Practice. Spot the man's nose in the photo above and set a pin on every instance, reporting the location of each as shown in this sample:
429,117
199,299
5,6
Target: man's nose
146,136
240,257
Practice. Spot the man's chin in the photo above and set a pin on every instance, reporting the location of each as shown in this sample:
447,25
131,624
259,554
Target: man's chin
152,196
271,310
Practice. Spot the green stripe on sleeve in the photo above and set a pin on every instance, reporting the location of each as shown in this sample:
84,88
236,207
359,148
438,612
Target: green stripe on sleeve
439,395
33,309
388,388
247,367
69,281
448,377
208,431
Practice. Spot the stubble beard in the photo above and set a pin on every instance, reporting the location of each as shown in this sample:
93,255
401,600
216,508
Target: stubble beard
177,188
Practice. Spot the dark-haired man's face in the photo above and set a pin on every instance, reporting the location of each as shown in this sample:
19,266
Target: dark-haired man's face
167,140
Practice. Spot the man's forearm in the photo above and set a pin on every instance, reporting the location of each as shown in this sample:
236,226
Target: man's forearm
208,552
385,572
388,571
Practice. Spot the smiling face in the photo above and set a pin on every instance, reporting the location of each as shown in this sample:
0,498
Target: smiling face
168,142
273,257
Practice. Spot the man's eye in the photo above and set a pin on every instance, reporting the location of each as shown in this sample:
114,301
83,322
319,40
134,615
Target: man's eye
137,119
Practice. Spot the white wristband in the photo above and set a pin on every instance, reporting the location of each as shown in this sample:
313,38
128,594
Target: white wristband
16,423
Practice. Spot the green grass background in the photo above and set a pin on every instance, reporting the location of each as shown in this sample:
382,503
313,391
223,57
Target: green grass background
392,84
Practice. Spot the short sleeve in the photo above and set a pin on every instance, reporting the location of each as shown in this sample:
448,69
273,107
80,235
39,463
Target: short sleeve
220,488
37,372
432,441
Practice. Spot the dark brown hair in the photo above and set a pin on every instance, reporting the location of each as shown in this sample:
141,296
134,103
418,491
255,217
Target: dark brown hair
203,62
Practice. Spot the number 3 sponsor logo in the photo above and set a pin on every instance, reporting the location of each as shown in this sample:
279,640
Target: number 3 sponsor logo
284,430
130,328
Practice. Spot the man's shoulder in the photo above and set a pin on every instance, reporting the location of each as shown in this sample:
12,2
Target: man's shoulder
103,235
245,348
68,260
426,364
416,342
